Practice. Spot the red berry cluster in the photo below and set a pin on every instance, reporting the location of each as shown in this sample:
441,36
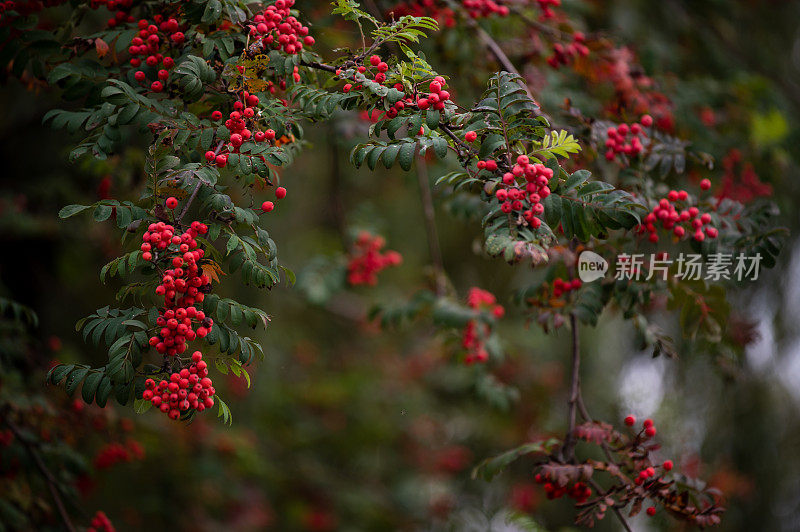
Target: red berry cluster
477,331
484,8
243,117
617,140
528,200
564,55
367,260
743,187
437,97
375,67
649,472
24,8
100,523
678,221
648,427
121,9
183,284
148,43
445,15
187,389
578,491
275,27
561,286
547,8
115,452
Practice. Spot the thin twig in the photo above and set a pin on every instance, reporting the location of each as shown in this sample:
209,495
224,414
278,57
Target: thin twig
52,483
336,201
619,515
568,450
459,144
586,417
196,189
429,217
544,28
504,61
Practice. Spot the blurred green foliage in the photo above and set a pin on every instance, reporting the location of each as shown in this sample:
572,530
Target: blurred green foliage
347,427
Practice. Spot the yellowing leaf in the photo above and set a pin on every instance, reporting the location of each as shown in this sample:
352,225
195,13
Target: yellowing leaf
101,47
213,270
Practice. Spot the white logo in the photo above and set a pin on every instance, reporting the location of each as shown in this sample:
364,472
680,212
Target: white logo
591,266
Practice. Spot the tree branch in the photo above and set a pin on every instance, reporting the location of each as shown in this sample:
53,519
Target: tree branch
429,217
50,480
568,451
196,189
619,515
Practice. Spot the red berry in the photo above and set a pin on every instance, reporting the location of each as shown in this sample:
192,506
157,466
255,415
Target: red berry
630,420
280,192
667,465
705,184
651,511
171,203
647,121
267,206
470,136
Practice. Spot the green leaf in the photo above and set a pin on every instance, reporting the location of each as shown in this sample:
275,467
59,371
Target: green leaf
90,386
72,210
212,12
102,213
74,379
490,144
390,155
576,179
491,467
103,391
140,406
440,147
233,243
224,411
406,155
432,119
